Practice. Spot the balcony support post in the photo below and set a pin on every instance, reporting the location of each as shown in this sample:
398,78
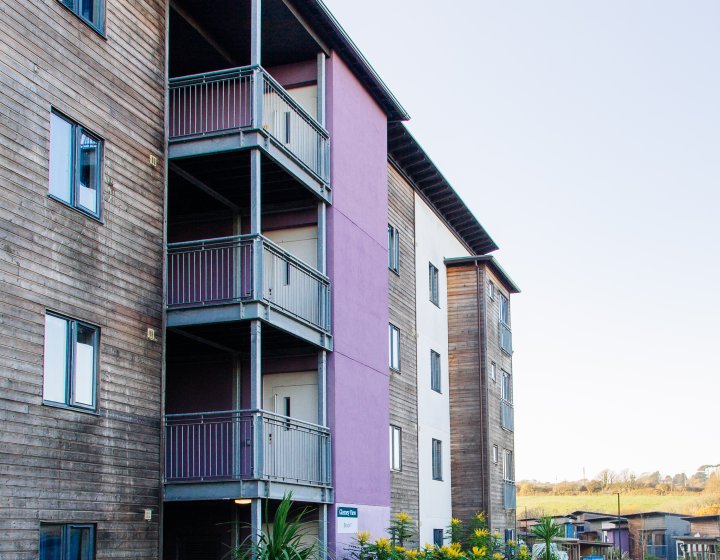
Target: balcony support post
321,88
256,223
256,520
255,32
323,530
258,446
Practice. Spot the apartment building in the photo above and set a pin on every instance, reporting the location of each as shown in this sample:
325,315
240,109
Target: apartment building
201,202
451,434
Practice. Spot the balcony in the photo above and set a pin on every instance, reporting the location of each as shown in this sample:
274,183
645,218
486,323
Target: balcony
509,501
244,108
246,277
245,453
505,338
507,415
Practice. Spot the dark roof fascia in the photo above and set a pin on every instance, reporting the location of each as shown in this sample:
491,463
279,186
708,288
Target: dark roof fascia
653,514
702,517
329,29
406,155
507,282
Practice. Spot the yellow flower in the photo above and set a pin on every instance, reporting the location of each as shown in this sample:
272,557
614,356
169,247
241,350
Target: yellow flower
383,544
480,516
455,522
498,556
496,535
363,537
456,546
403,517
479,551
481,533
511,542
399,548
453,552
524,548
429,546
412,554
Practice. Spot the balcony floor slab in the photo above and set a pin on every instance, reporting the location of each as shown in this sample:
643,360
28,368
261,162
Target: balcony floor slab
230,490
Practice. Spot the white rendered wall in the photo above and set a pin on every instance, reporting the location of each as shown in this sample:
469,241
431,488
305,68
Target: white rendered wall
434,242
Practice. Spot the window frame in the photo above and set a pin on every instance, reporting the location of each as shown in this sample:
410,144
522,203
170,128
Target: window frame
73,6
437,470
508,466
394,356
506,389
395,445
70,367
435,371
65,542
495,454
77,131
438,533
434,284
504,309
394,249
491,290
493,371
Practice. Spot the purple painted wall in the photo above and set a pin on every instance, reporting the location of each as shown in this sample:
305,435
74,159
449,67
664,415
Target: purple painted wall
357,264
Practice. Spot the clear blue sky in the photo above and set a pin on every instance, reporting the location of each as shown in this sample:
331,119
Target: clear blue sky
585,136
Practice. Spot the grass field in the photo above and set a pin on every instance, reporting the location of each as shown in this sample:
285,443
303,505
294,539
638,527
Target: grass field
560,505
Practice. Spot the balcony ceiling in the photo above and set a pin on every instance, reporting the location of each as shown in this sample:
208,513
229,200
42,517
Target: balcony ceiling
228,174
207,340
206,36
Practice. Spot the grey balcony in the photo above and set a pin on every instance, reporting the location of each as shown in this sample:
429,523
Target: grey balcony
505,337
244,108
507,415
245,453
247,277
509,500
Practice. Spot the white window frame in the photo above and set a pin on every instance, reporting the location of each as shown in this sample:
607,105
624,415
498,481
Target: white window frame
395,448
394,344
493,371
434,284
67,373
393,249
495,454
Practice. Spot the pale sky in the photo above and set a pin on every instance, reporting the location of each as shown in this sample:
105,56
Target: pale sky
585,137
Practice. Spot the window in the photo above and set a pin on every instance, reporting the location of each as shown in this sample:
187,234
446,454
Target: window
437,459
70,362
504,310
508,467
438,537
394,334
491,290
395,448
67,542
393,249
495,454
89,10
434,285
435,371
493,371
506,387
75,165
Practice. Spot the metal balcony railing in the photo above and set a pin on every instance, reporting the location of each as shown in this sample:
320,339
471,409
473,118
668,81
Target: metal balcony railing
509,500
224,270
507,415
243,99
245,445
505,337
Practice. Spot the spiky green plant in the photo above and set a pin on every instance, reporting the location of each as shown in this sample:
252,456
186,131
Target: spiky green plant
546,530
287,540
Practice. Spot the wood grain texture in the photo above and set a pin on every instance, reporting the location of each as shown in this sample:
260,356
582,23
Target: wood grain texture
58,464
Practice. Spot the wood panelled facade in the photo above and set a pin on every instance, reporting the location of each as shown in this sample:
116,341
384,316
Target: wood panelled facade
61,464
475,396
404,484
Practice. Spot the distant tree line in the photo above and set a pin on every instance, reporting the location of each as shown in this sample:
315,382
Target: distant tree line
705,480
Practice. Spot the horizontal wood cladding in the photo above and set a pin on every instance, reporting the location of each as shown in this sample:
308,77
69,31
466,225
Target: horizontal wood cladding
468,448
59,464
404,485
